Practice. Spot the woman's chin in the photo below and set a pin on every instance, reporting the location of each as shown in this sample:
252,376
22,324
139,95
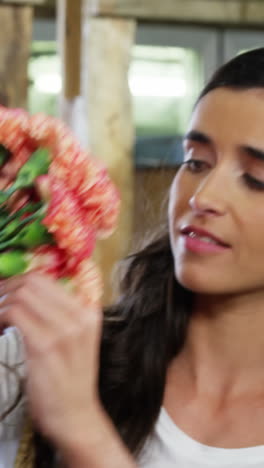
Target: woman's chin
197,284
204,289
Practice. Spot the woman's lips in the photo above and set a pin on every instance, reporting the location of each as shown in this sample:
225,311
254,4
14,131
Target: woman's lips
201,241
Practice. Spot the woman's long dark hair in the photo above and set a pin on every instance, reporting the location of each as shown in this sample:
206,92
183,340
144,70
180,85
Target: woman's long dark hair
148,325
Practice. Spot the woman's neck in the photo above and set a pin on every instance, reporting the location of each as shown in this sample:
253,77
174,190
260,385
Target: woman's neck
224,349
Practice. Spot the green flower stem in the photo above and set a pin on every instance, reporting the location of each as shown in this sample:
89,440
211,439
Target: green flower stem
37,164
12,263
6,218
4,155
15,225
30,236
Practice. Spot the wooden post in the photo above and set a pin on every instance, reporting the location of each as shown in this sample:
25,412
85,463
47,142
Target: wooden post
107,45
101,114
69,13
15,40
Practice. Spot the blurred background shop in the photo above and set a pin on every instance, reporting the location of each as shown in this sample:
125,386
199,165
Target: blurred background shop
125,76
169,65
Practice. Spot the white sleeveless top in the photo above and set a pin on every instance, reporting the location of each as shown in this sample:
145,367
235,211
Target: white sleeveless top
11,354
170,447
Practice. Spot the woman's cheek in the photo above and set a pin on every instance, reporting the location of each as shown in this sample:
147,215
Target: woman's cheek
180,195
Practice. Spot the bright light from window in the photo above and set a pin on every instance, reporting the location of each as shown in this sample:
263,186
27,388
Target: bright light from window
48,84
151,86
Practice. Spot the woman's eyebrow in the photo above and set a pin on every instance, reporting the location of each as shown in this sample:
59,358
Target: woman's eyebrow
195,135
253,152
200,137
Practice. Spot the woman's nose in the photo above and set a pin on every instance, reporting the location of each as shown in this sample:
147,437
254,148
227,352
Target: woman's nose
209,199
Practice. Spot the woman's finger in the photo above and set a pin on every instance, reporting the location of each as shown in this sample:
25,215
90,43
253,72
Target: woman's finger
34,306
11,284
38,293
45,318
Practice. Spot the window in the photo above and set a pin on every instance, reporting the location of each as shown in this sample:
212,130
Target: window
44,78
169,65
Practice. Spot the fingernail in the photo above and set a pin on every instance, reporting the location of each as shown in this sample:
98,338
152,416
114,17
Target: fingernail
3,298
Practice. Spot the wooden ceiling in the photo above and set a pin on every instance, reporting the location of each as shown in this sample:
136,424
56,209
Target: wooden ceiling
222,12
46,10
247,12
22,2
42,8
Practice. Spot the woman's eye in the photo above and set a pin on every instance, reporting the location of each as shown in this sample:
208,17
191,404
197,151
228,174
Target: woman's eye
253,183
195,165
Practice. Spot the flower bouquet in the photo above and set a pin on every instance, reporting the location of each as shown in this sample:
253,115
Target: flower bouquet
55,202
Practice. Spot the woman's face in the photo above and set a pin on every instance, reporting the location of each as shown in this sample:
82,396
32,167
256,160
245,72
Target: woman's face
216,208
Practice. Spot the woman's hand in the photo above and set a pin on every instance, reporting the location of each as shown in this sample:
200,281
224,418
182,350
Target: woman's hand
62,342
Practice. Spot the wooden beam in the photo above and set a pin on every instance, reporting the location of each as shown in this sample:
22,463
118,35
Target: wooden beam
69,18
23,2
15,40
248,12
96,104
46,9
107,49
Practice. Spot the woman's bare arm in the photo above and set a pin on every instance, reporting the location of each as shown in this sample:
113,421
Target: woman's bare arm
62,342
102,449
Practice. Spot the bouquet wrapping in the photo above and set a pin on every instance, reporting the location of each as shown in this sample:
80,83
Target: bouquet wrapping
55,202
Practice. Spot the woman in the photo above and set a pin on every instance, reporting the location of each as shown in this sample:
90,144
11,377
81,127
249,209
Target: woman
181,377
